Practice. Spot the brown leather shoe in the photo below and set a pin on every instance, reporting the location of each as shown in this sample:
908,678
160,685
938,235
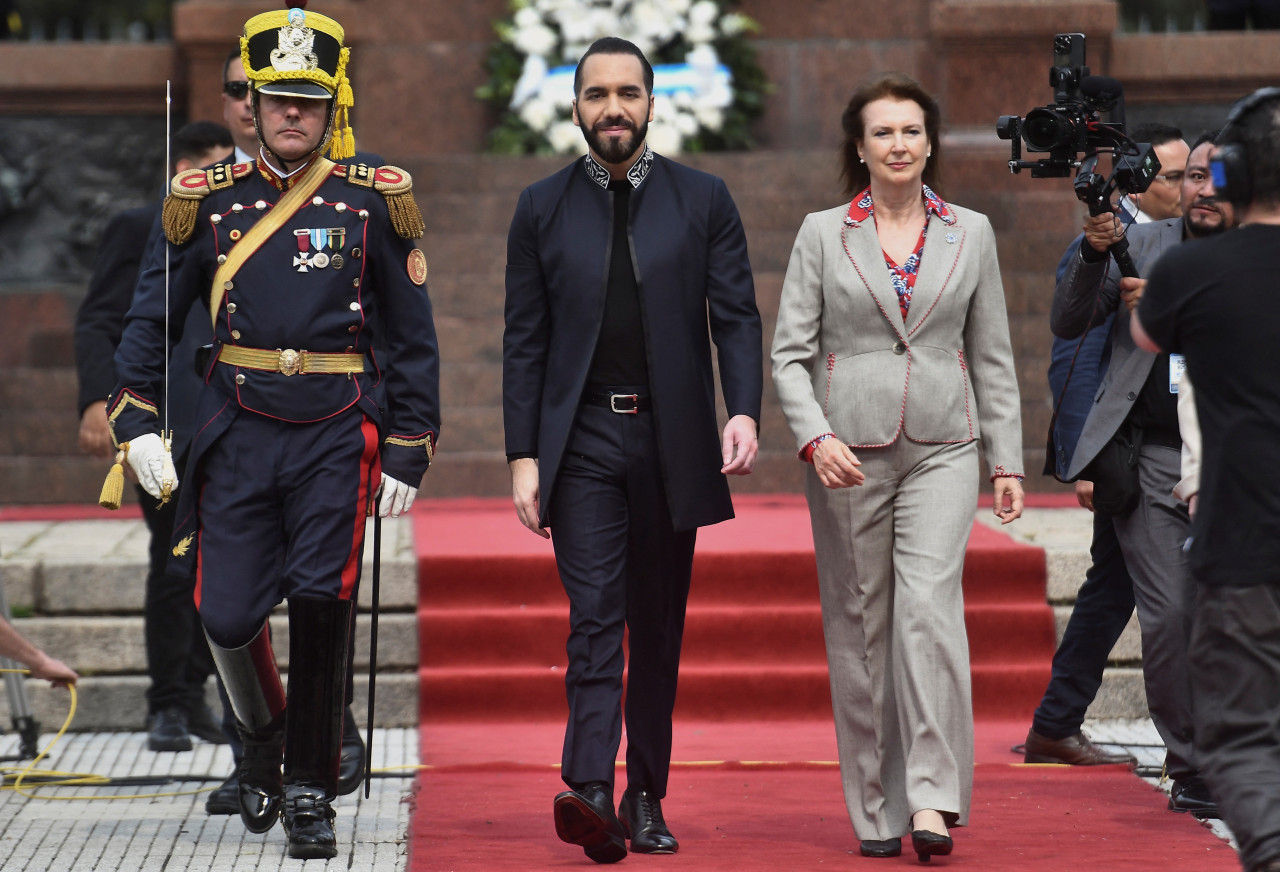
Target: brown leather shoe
1074,750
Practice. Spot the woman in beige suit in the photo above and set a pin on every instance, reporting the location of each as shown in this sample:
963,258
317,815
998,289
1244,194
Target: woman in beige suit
892,359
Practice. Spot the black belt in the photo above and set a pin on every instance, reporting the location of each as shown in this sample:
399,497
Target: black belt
614,401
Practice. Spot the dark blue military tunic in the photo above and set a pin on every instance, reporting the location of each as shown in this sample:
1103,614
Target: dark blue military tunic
283,463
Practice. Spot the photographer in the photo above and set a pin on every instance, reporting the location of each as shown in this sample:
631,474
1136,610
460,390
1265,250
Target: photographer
1217,303
1129,447
1104,601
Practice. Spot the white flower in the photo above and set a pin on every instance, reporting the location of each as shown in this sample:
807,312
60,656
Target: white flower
566,138
704,12
649,20
703,58
536,40
538,113
605,22
686,124
527,17
734,23
710,117
664,138
700,34
578,25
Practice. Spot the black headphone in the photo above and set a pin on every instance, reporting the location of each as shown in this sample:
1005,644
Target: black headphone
1229,167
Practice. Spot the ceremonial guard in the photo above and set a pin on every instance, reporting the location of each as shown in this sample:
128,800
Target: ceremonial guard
306,267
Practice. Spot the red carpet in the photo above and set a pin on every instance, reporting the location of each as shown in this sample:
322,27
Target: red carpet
754,785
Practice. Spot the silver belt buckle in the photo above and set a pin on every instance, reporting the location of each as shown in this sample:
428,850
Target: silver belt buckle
635,403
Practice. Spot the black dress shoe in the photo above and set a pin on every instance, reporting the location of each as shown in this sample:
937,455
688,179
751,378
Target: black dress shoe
641,815
351,766
881,847
585,817
1074,750
202,725
261,782
1192,795
308,822
928,844
169,730
224,799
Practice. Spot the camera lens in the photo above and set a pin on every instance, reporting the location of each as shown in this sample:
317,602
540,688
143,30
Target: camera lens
1046,129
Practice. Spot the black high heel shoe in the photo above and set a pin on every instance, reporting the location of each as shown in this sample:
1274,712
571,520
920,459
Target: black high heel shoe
881,847
928,844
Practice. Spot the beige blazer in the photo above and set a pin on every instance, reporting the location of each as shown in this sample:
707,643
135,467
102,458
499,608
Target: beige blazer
844,362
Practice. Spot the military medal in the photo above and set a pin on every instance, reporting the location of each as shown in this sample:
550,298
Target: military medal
320,260
319,238
337,239
302,261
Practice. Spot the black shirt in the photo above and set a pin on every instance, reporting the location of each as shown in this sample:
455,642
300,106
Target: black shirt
1217,301
619,359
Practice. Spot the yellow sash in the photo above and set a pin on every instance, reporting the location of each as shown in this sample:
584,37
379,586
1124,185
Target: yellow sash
259,233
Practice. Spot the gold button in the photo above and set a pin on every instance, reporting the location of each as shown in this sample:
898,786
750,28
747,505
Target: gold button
240,379
355,252
228,285
353,328
355,307
350,348
222,258
235,234
231,308
235,334
356,283
364,214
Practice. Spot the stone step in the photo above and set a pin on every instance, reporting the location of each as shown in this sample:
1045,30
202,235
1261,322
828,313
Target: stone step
117,703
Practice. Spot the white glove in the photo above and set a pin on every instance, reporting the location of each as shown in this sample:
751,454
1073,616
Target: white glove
153,464
397,497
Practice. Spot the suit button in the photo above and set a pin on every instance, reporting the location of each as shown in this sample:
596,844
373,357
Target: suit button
1132,396
899,348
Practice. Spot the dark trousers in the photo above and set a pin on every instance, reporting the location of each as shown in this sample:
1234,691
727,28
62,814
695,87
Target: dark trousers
1235,681
1103,606
282,513
624,569
178,659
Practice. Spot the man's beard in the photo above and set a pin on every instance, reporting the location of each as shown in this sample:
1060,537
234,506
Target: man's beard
1196,225
620,150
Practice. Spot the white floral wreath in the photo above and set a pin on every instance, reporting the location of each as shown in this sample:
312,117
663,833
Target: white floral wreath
694,90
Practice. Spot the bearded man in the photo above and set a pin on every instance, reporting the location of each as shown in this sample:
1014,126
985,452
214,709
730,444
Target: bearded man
615,265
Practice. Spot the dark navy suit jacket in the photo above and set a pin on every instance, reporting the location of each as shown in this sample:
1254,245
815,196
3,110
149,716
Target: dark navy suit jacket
690,256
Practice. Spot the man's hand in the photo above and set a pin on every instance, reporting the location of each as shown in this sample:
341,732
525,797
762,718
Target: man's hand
396,498
1131,291
1192,501
1100,231
53,671
1084,494
95,433
738,448
836,465
153,464
524,493
1008,489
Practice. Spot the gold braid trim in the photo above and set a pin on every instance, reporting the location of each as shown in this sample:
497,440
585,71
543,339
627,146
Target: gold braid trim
426,441
187,189
406,217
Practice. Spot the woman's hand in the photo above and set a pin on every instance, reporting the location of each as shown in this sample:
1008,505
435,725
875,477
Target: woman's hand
836,465
1008,490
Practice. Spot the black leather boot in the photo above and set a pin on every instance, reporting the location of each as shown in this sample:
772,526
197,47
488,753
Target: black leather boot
253,687
351,766
318,638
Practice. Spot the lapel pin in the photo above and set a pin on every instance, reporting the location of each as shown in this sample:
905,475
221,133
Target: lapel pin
951,239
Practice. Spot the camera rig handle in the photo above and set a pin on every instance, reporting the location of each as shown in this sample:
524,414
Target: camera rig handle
1094,190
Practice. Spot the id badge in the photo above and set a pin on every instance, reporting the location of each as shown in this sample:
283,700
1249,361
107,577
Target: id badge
1177,366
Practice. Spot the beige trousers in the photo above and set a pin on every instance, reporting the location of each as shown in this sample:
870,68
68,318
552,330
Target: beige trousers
890,556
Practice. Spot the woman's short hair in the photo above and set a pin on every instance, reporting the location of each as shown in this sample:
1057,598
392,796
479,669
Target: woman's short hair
892,86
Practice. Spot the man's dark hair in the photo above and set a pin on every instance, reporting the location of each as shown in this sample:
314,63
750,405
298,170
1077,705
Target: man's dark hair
1207,136
893,86
233,55
613,45
195,140
1156,133
1258,133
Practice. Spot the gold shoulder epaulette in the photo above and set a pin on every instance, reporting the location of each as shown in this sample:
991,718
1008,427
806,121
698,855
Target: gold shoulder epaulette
187,190
396,186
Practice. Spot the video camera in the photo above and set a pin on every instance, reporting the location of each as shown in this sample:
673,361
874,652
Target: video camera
1072,132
